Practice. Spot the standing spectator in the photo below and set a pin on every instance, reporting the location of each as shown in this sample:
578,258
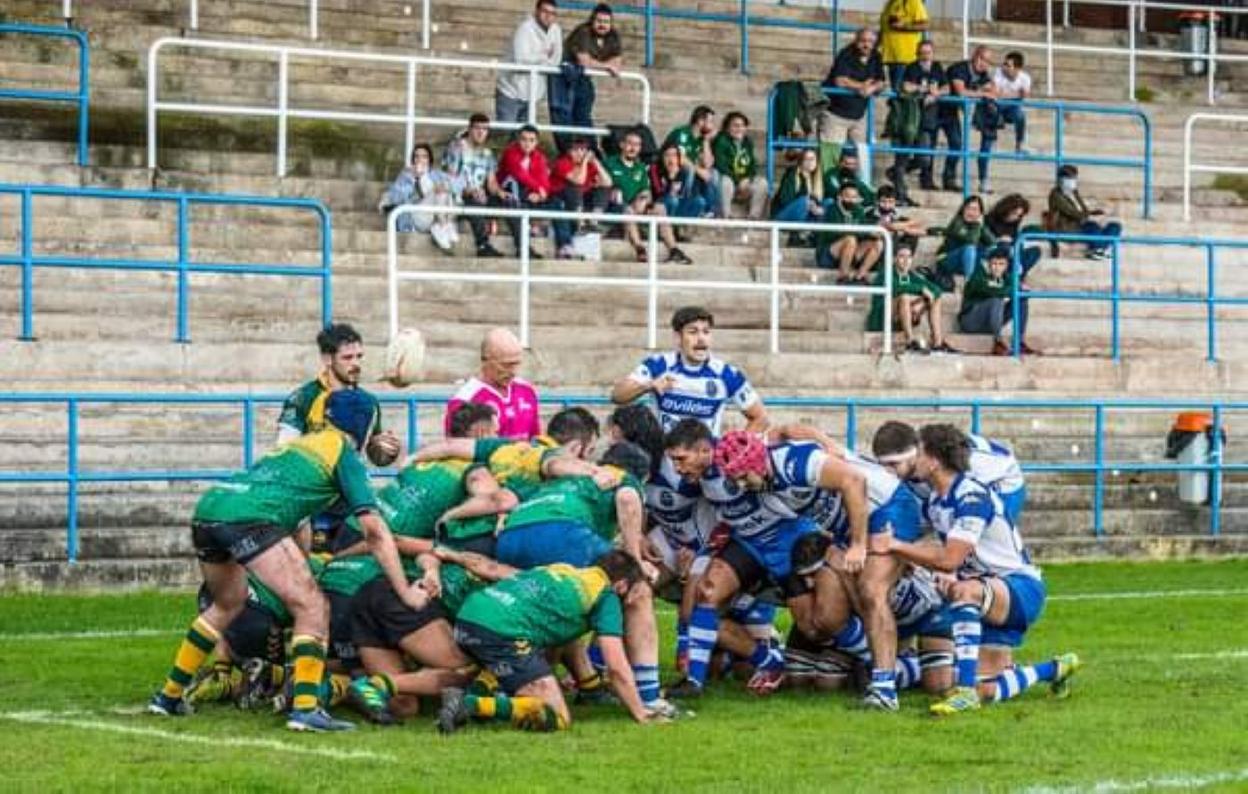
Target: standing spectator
902,23
859,71
672,184
739,179
497,384
694,140
799,198
913,297
1005,221
854,255
972,79
425,186
579,182
593,44
469,159
1013,83
1069,213
632,195
987,305
966,239
537,41
524,176
917,120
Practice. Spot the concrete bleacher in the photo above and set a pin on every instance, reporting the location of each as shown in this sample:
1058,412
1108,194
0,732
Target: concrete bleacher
113,330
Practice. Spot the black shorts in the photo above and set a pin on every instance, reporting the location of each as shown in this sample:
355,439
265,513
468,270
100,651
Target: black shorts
515,663
254,634
217,542
341,646
380,619
753,577
481,544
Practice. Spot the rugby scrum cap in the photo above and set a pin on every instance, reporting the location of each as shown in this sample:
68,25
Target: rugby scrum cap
351,411
739,453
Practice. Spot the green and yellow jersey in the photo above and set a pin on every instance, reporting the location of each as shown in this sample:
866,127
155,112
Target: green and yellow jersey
517,465
346,575
577,499
547,606
294,481
419,495
304,409
457,584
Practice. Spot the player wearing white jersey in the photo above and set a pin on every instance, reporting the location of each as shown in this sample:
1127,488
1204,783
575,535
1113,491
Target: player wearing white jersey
689,382
994,591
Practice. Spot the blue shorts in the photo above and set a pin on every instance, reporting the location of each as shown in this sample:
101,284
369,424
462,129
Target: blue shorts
773,549
1013,503
900,515
1027,596
551,542
935,623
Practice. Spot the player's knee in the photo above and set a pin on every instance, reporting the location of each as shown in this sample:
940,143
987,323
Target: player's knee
968,592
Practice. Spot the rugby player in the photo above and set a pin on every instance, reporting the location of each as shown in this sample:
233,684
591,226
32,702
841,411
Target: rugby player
995,593
689,382
244,525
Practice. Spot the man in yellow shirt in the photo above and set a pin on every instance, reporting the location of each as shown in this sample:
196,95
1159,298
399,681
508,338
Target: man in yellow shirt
902,24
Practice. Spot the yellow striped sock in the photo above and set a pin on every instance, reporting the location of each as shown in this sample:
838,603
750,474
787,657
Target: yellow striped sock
309,663
338,684
199,641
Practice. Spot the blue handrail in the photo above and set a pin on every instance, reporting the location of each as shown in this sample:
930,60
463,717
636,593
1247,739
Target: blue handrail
73,474
743,19
183,265
80,97
1211,300
1059,157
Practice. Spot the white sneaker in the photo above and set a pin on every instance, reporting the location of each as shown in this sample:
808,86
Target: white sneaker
1021,149
985,188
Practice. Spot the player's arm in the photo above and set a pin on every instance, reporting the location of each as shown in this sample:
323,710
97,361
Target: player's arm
756,420
413,547
564,465
800,432
431,582
478,565
441,450
839,476
381,546
630,516
620,674
946,557
486,497
641,381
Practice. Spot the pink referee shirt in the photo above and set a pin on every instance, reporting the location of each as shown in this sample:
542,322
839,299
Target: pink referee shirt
517,406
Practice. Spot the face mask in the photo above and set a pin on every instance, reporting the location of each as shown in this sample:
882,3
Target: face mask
847,174
850,206
1068,185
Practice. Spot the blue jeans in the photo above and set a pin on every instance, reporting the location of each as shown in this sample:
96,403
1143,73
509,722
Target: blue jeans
796,211
709,191
1108,231
1031,256
991,315
563,229
951,126
508,109
1016,115
961,260
690,206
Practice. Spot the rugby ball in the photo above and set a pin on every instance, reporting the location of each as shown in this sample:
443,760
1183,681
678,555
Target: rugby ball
405,358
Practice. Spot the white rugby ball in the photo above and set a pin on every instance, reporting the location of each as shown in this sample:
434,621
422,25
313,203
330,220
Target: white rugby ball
405,358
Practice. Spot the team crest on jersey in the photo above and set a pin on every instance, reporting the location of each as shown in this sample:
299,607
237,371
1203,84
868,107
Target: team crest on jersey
712,388
666,499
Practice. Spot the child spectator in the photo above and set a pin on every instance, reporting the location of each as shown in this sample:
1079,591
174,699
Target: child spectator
854,255
987,305
672,184
914,297
1069,213
423,185
578,181
631,194
1013,83
739,179
1005,221
966,239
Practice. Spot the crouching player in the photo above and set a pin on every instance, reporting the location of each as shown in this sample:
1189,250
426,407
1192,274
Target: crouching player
997,593
245,525
509,627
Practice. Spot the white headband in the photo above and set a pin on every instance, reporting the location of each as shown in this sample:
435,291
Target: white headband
900,457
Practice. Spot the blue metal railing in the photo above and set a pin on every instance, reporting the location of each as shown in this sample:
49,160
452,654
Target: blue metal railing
743,19
79,97
1115,296
1099,467
28,260
1060,156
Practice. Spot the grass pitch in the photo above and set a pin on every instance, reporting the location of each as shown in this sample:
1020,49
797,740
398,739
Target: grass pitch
1162,704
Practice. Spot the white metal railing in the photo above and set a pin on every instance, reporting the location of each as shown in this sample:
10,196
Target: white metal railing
1190,168
651,282
1136,9
67,11
409,117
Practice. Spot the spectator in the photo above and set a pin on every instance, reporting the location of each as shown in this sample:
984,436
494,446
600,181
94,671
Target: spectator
859,73
917,120
672,184
966,239
632,195
972,79
904,230
1069,213
537,41
579,182
739,179
854,255
1005,221
470,161
1013,83
694,140
593,44
914,297
902,23
524,176
987,303
847,170
498,385
799,198
424,186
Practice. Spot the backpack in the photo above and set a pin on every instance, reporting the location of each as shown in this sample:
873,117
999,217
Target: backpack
616,133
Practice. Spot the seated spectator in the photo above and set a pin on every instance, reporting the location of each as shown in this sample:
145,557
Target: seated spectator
799,198
859,74
885,214
848,170
739,179
914,297
854,254
631,194
695,140
524,176
593,44
1069,213
672,184
469,160
987,305
1013,83
966,239
425,186
972,79
579,182
1005,221
537,40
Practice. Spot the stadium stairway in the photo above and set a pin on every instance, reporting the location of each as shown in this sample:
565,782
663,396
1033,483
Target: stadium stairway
252,333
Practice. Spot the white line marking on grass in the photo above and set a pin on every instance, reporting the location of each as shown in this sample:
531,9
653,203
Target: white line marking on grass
1188,782
1242,653
69,720
90,635
1148,594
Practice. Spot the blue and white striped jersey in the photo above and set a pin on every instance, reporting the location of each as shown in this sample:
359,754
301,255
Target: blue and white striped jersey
992,463
700,391
794,488
829,513
675,505
973,513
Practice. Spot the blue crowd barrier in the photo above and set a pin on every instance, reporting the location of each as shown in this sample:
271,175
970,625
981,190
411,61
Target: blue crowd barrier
1099,467
743,19
80,97
28,260
1059,157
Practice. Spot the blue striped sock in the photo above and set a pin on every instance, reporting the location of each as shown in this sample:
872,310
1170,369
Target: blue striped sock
595,659
853,638
885,682
966,634
647,677
908,671
703,633
682,639
1016,680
